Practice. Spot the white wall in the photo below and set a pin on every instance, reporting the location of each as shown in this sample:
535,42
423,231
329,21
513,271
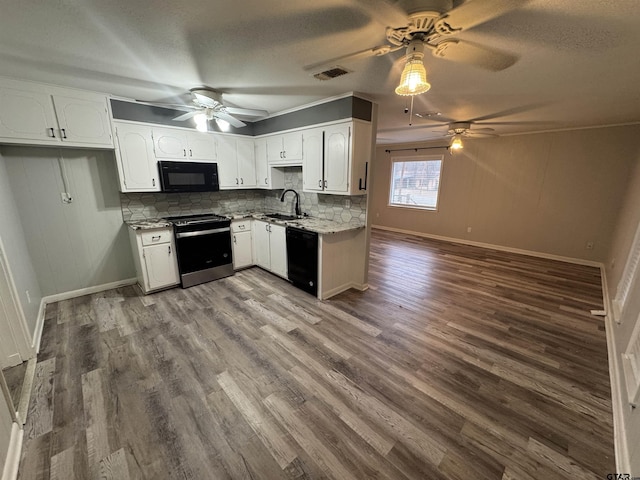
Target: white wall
76,245
628,221
13,237
549,193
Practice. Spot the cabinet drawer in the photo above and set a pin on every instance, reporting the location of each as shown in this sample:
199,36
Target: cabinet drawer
241,226
154,237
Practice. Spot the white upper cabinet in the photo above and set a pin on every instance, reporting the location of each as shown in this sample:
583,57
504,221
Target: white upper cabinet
267,177
178,144
285,149
336,158
39,114
236,162
137,165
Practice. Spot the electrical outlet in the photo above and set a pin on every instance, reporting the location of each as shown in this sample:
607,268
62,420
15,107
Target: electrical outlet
468,229
347,203
589,245
66,198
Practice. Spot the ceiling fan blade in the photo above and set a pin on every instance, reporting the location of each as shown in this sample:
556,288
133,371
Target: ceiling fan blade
482,130
172,106
249,112
475,133
186,116
228,118
473,13
369,52
473,54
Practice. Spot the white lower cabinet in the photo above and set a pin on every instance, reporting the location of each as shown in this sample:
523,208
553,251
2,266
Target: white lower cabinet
155,259
242,244
270,247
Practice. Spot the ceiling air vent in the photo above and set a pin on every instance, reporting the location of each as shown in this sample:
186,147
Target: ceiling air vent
334,72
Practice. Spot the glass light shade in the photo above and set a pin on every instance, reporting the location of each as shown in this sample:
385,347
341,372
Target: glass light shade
456,143
201,122
414,78
223,124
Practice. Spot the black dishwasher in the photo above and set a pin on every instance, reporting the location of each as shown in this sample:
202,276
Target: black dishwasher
302,259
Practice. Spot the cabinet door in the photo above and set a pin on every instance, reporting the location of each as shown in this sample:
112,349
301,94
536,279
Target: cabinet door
278,250
201,146
160,266
242,250
292,145
227,162
261,248
246,162
336,158
170,143
27,115
312,161
275,151
83,120
262,164
137,164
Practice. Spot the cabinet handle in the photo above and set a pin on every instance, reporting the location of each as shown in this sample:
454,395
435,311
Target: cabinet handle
169,249
184,152
320,183
153,182
52,132
325,184
284,154
236,181
241,181
269,228
190,153
155,238
64,132
366,175
266,181
234,240
240,227
266,227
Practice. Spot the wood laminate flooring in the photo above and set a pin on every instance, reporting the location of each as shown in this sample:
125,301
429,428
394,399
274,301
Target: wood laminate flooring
457,363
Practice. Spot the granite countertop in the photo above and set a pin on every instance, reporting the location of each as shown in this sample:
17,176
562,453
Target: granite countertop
313,224
148,223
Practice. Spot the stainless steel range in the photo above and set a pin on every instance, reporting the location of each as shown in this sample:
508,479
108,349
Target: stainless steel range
203,247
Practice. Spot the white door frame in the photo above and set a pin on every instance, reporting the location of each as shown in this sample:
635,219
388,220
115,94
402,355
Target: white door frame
13,325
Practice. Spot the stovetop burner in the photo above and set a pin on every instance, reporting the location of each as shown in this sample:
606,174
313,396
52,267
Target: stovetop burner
195,218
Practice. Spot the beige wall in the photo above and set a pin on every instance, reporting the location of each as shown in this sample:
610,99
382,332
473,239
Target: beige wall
549,193
627,223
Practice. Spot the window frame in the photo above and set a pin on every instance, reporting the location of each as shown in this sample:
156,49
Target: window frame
415,158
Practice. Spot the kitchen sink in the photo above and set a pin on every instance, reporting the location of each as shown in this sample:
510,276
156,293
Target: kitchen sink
281,216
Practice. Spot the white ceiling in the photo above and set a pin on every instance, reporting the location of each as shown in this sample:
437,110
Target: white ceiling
579,60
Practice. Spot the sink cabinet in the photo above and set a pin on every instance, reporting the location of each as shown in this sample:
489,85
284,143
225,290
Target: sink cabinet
270,247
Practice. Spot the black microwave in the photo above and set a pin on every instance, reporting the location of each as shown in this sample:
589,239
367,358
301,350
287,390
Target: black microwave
188,176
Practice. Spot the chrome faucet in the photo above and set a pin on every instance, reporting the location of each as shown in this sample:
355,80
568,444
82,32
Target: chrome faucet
298,212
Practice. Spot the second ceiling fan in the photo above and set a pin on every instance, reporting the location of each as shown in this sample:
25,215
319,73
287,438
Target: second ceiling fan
433,25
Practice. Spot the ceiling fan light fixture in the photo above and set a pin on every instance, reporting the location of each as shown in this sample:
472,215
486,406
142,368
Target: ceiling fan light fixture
201,122
413,80
456,143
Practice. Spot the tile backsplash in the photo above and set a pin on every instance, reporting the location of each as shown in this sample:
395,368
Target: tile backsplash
340,208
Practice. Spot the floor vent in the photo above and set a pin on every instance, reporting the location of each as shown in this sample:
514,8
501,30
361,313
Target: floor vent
334,72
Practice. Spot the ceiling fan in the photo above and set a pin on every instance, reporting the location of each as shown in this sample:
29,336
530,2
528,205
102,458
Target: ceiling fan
207,105
457,130
433,25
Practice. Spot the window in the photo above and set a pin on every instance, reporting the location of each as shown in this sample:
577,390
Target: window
415,181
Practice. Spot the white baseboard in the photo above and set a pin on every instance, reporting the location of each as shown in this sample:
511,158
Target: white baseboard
343,288
531,253
66,296
12,462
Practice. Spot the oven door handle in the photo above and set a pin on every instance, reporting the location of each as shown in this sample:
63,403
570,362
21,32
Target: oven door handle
202,232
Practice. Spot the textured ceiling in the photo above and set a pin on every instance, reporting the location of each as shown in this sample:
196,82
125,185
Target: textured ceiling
578,63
